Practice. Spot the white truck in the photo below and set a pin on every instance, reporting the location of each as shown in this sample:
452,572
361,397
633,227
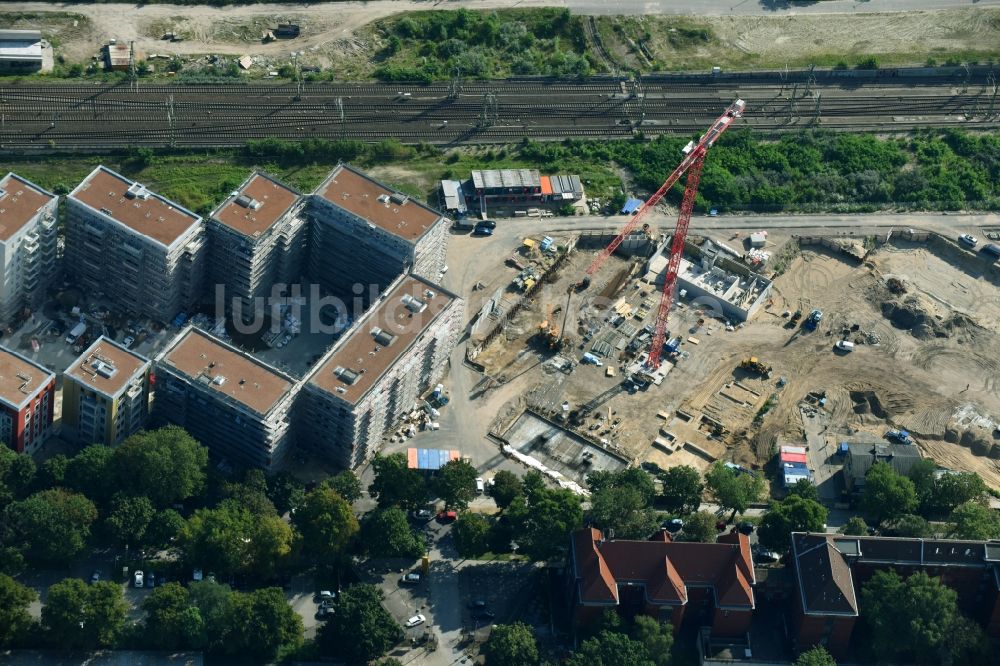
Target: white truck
76,332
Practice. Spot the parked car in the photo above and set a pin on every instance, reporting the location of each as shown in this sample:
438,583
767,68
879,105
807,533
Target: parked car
151,580
416,620
422,514
480,486
411,578
488,224
845,345
482,231
196,575
95,577
764,556
137,579
447,516
478,604
969,240
673,525
128,342
484,614
325,595
324,612
745,528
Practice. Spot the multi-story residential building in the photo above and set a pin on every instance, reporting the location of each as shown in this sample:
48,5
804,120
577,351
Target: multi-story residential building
143,252
831,569
27,402
229,401
364,233
256,240
28,236
667,580
105,394
377,371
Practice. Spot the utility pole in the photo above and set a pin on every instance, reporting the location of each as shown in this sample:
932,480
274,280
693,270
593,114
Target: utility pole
816,111
992,81
340,115
641,93
490,113
792,105
133,78
170,120
455,83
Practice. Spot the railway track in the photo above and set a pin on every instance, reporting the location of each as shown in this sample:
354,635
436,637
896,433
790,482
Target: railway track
42,118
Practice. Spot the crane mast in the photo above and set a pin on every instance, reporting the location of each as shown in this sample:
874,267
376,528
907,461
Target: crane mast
691,154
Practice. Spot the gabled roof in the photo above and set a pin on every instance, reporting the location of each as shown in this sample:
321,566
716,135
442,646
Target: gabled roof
825,582
665,568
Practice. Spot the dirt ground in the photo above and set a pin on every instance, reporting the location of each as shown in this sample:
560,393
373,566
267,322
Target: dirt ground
335,34
932,369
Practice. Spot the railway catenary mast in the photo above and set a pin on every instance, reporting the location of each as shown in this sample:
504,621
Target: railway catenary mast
694,159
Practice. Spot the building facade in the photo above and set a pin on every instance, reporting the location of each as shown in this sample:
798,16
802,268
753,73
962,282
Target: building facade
378,370
257,238
143,252
860,457
27,402
513,187
21,51
365,234
830,570
666,580
236,405
105,394
28,245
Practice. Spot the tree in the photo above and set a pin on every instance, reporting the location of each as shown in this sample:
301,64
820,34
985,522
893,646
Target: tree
472,534
214,603
77,615
923,473
700,526
793,514
919,608
505,487
511,644
733,490
908,525
657,637
326,522
542,518
17,471
974,520
396,484
128,518
285,491
805,489
54,523
164,528
682,489
230,539
818,656
347,485
632,477
610,648
360,629
887,494
455,483
387,533
260,623
14,616
855,526
172,622
623,512
954,488
251,494
52,472
165,465
91,472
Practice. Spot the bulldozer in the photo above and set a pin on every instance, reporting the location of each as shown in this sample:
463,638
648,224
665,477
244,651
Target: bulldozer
549,332
754,365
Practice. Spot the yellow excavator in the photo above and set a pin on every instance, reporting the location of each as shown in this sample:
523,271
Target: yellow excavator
756,366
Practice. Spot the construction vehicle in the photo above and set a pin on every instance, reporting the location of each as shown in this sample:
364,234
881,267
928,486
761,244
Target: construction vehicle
813,320
899,437
754,365
796,316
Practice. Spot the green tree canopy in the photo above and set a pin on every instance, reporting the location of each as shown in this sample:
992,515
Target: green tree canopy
14,616
92,472
887,494
506,486
955,488
610,648
805,489
975,520
387,533
260,623
347,485
214,603
793,514
77,615
172,622
165,527
361,629
455,484
733,490
682,489
818,656
855,526
543,517
165,465
55,524
326,522
128,518
230,539
17,472
511,644
472,534
700,526
908,525
622,511
396,484
285,491
657,637
52,473
633,477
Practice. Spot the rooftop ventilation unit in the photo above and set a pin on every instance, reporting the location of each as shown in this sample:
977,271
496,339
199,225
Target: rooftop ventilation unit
137,191
399,198
103,369
219,380
248,202
429,294
383,199
345,375
414,305
384,338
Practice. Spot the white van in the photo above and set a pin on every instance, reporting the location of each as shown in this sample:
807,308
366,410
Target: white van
844,345
480,486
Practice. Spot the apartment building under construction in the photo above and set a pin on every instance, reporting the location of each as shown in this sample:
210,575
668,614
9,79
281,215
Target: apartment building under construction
257,238
144,253
365,234
105,394
378,371
237,406
28,244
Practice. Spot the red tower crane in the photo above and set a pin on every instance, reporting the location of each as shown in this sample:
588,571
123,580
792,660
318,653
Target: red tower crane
694,159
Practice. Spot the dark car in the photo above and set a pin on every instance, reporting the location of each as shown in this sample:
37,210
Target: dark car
480,230
95,577
745,528
673,525
477,605
488,224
